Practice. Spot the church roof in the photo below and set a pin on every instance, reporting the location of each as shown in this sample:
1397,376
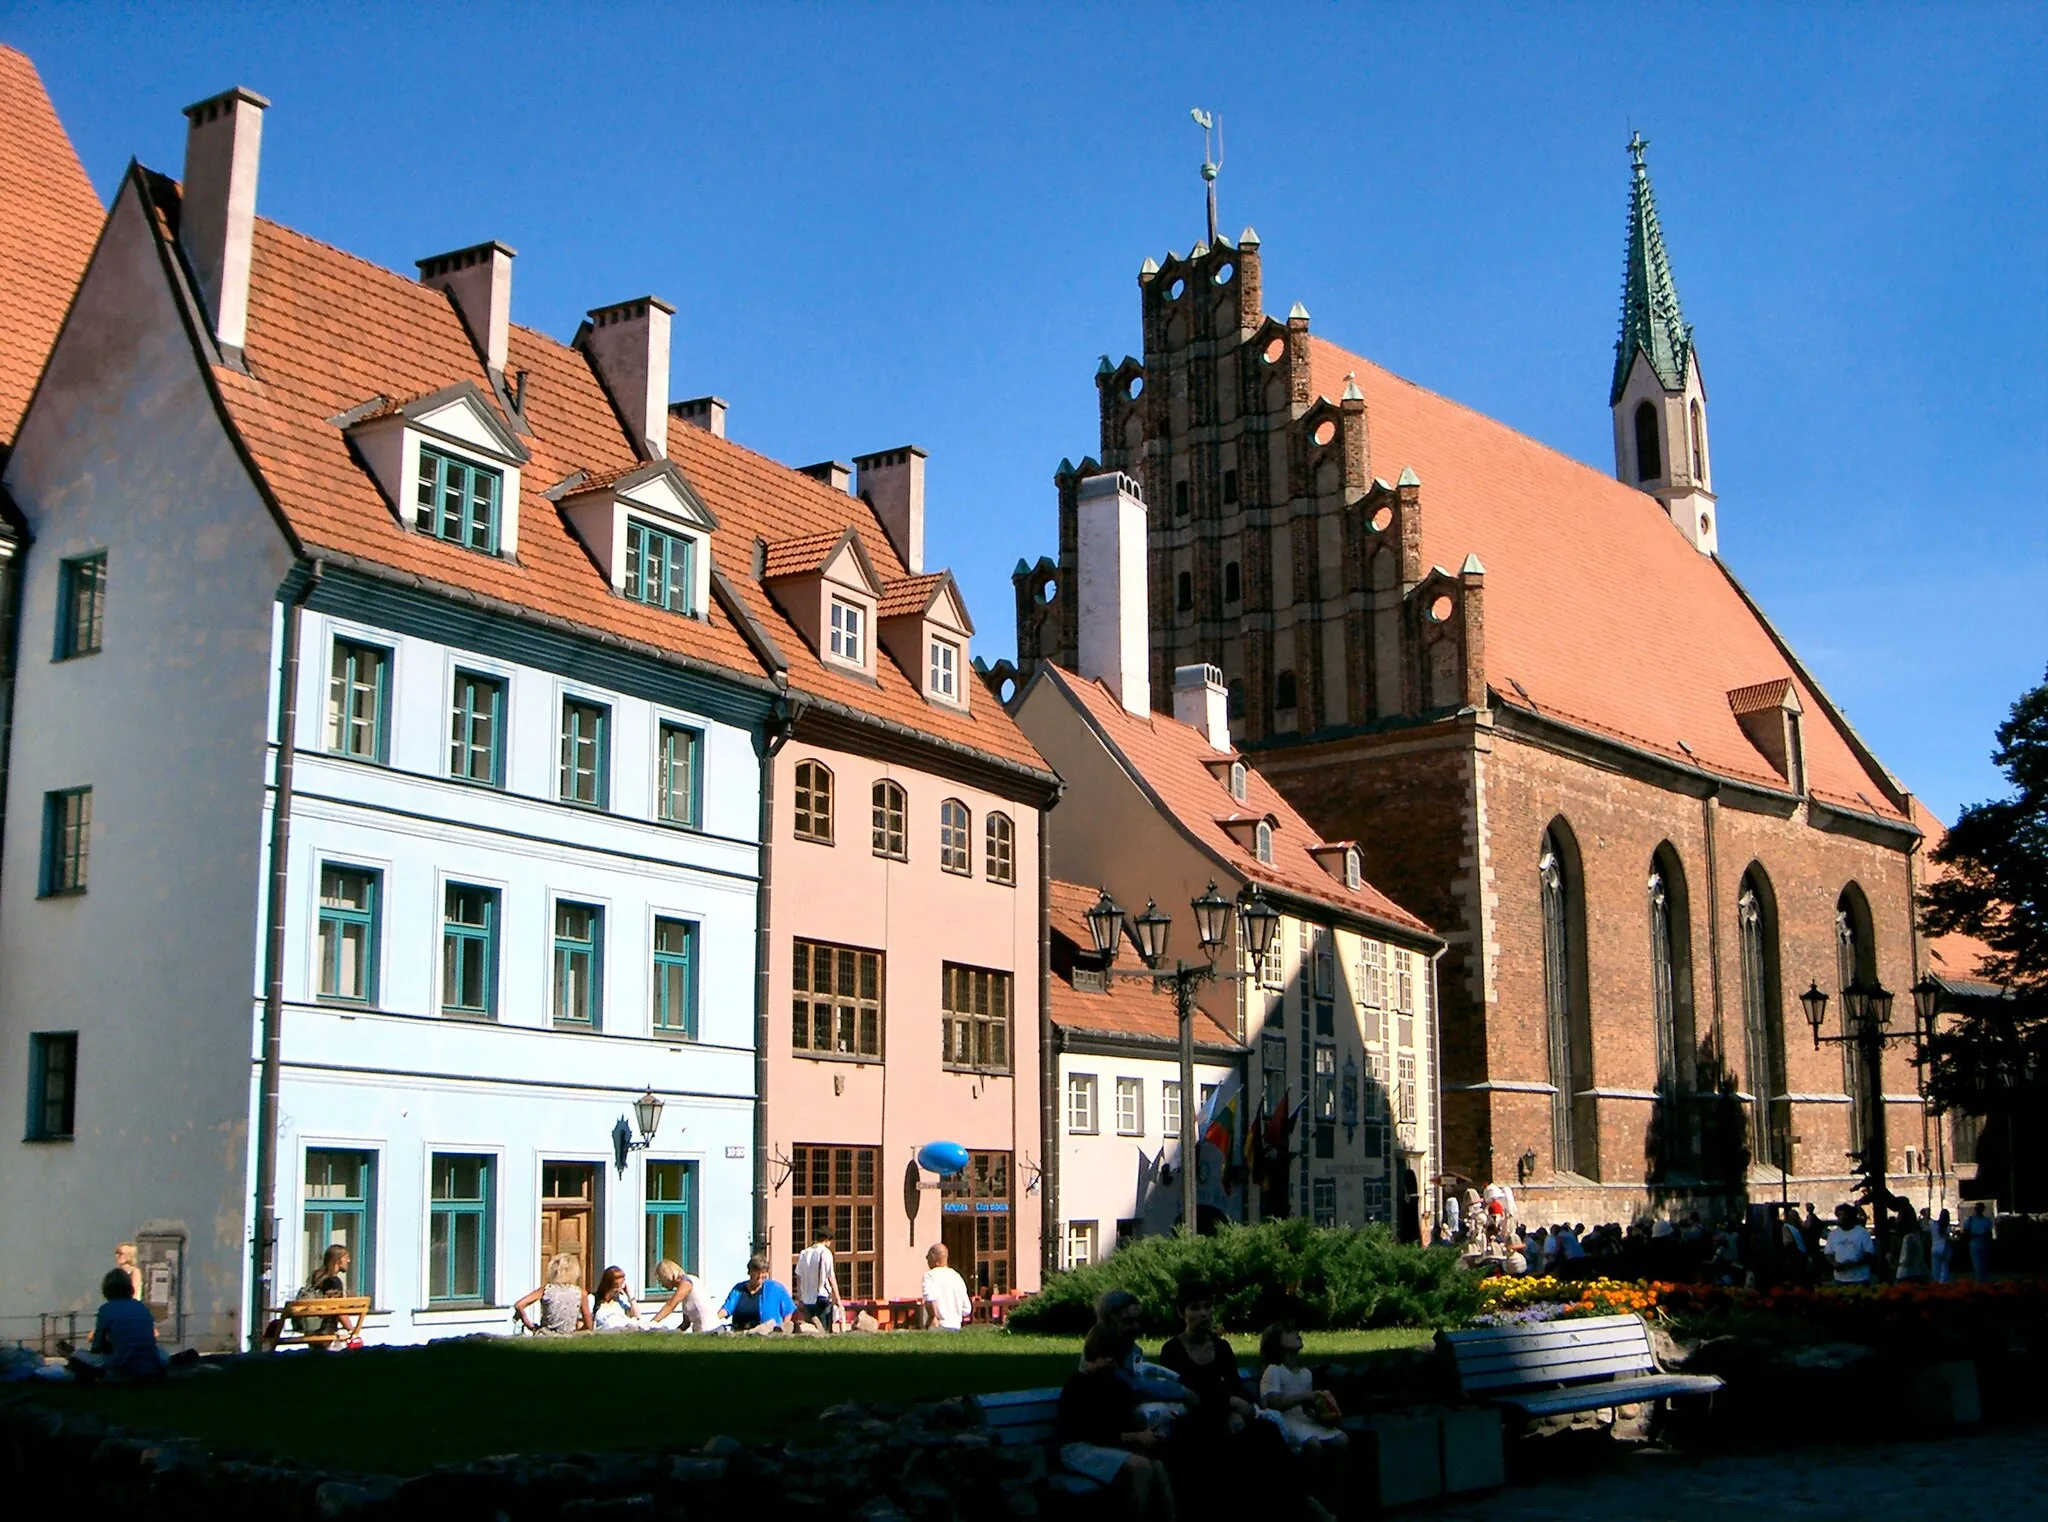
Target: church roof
49,219
1651,323
1579,567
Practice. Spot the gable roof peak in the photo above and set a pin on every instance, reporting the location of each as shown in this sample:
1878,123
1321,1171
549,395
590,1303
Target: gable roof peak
1651,322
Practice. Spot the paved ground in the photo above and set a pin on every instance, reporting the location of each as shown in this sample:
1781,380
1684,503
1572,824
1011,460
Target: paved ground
1998,1472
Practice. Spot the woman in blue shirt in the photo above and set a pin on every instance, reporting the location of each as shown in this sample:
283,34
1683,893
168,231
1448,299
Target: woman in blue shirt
758,1303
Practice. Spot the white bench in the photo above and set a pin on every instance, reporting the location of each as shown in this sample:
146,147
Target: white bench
1554,1368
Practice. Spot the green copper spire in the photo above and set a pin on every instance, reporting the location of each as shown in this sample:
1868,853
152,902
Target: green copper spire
1650,319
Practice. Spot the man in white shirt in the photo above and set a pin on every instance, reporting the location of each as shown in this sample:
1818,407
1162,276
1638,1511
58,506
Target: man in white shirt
1850,1247
817,1285
948,1306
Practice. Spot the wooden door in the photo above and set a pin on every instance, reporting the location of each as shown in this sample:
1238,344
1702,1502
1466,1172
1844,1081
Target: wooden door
568,1216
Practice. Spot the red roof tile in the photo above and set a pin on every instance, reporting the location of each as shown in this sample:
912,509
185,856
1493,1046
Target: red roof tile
1951,956
1174,761
909,594
50,218
801,555
1578,566
1130,1007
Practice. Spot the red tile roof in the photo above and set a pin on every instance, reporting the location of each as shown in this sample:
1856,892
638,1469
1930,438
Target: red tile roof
1949,956
1175,761
1579,566
1130,1007
50,218
911,594
801,555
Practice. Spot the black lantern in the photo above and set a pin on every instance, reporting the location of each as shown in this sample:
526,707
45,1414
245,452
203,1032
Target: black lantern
1257,922
1212,917
647,1111
1816,1004
1855,1004
1877,1004
1151,927
1926,1002
1106,925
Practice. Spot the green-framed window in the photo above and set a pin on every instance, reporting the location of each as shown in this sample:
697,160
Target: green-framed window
671,1219
348,933
660,567
458,501
358,700
469,951
341,1197
81,605
586,746
52,1085
476,729
675,978
579,965
681,748
459,1230
67,840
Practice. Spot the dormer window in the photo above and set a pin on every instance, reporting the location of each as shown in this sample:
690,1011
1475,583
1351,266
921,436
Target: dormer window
849,633
1263,843
660,567
458,501
945,670
1352,875
1237,780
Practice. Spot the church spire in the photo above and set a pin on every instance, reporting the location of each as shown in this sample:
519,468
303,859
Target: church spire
1651,323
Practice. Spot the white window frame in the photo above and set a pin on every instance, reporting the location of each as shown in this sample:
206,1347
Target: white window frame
1372,974
945,669
1086,1236
848,632
1130,1107
1404,981
1083,1113
1169,1109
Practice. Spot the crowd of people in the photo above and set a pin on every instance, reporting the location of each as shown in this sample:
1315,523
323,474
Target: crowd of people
1773,1244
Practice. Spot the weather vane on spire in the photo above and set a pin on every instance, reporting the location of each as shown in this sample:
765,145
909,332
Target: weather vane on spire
1212,130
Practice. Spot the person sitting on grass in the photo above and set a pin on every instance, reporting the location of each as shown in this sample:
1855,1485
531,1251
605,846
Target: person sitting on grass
123,1336
684,1296
1308,1416
562,1307
758,1303
612,1308
1103,1437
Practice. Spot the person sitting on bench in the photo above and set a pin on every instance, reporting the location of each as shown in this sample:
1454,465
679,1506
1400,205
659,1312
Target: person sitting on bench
1103,1437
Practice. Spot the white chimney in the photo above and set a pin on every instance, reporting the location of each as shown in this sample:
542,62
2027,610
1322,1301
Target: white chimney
628,344
705,412
217,221
836,474
1112,608
479,281
892,482
1200,702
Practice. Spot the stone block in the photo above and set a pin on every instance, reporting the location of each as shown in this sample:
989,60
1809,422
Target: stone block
1473,1458
1396,1458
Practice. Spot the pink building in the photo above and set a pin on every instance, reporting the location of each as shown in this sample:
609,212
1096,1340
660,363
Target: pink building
903,966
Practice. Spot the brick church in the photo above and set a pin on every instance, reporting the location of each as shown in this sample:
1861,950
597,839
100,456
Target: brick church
1560,729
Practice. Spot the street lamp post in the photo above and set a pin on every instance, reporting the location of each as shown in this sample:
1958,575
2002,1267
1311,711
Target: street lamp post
1257,923
1866,1021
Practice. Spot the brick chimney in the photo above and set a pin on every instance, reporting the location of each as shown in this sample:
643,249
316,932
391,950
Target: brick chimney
479,281
628,345
705,412
1200,702
1110,567
892,483
217,221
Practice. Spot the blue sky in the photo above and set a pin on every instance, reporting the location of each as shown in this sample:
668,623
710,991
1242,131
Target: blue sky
892,224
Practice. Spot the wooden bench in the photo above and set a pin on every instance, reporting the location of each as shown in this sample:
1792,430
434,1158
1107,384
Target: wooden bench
1018,1417
342,1314
1554,1368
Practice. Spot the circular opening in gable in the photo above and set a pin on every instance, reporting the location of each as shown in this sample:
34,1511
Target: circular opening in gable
1440,609
1383,520
1275,347
1326,430
1134,388
1173,292
1225,271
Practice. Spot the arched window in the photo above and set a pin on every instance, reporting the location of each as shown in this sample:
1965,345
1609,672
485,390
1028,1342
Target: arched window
890,808
1699,444
1649,454
1237,780
1263,847
1233,582
1001,861
1671,974
1184,591
954,822
1573,1143
1353,876
813,802
1284,694
1763,1025
1855,962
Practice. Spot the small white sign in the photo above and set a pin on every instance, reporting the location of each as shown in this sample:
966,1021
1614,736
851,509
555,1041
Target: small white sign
735,1151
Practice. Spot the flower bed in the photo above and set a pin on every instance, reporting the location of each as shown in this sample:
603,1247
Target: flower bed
1517,1302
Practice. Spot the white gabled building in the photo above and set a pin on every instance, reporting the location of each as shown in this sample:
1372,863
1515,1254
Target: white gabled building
382,724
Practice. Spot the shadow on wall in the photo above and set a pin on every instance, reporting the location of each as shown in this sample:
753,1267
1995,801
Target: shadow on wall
1696,1147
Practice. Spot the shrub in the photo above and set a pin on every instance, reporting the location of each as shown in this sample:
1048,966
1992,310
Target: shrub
1318,1277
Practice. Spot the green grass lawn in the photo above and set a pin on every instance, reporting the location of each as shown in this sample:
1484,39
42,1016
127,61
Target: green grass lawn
405,1410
